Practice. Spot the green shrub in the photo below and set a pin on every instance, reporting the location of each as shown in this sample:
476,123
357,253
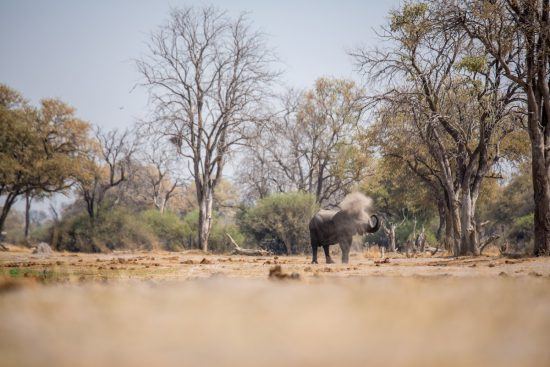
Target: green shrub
522,229
168,228
219,242
280,222
114,230
121,228
14,227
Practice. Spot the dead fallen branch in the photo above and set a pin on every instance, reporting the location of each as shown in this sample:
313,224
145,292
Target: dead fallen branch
246,251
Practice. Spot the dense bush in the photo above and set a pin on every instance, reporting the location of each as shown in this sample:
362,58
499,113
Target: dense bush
218,241
168,228
521,231
280,222
121,228
14,227
116,229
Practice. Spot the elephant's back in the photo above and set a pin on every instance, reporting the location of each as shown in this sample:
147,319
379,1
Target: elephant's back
322,216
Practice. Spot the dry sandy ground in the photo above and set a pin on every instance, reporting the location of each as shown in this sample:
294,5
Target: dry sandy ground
139,309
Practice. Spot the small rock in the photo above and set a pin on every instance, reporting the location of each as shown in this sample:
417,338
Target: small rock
534,274
205,261
503,274
276,272
43,249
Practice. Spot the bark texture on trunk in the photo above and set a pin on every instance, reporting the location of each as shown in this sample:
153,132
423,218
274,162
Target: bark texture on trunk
28,200
541,192
8,202
390,234
205,218
469,240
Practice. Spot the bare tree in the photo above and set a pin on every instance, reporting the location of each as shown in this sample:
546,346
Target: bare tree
104,168
255,176
311,145
207,75
389,228
159,172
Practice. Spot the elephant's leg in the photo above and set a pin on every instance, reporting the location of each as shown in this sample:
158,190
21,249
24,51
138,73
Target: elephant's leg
345,245
314,253
327,254
314,246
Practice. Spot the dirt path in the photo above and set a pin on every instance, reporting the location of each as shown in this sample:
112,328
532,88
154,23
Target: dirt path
141,309
71,267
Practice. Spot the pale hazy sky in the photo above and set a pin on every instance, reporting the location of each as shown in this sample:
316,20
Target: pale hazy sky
82,51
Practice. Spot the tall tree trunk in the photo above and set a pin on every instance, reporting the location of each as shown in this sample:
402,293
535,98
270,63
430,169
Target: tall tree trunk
449,233
390,233
441,226
162,206
457,229
541,193
469,237
28,200
449,226
538,124
205,217
10,199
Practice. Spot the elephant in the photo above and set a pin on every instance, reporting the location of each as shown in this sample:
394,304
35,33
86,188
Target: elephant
329,227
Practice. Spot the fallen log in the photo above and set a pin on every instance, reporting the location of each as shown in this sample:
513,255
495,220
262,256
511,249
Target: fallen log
246,251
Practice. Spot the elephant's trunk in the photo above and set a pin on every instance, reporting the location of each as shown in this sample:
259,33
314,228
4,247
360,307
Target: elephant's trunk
376,226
